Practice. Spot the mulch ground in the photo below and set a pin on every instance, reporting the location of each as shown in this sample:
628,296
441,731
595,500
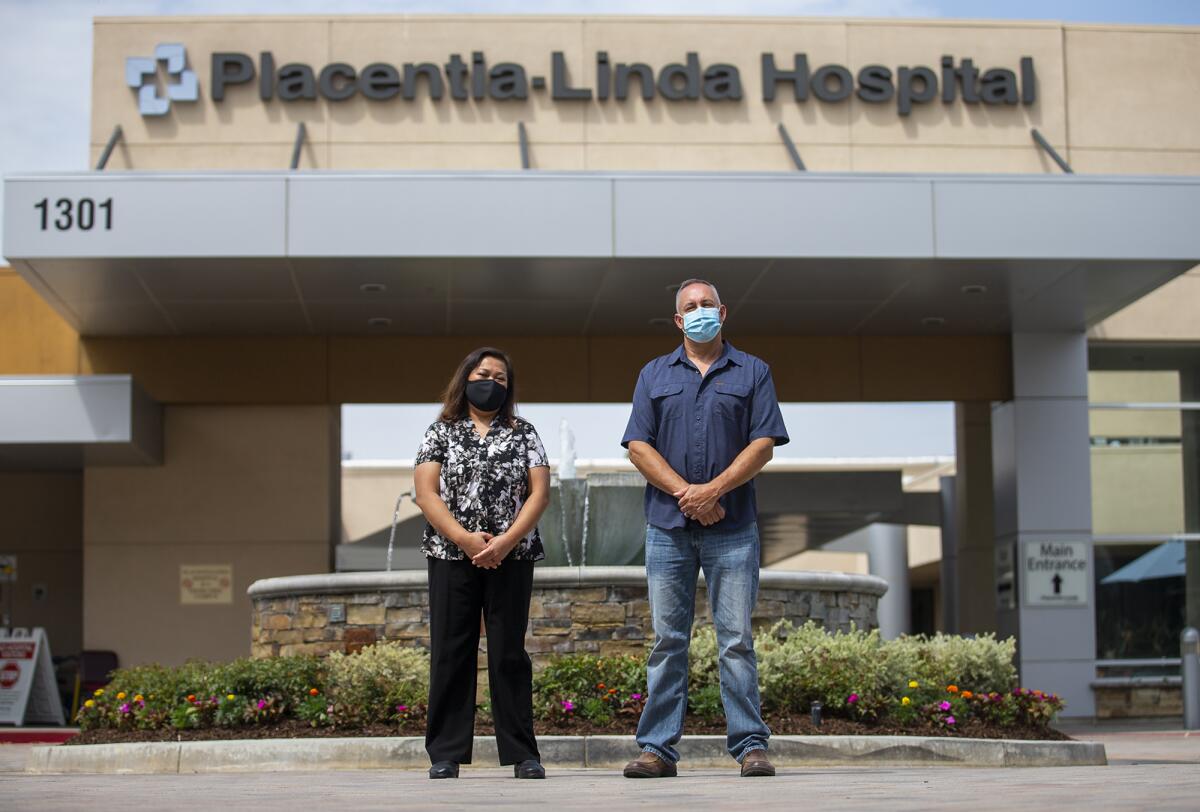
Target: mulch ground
780,724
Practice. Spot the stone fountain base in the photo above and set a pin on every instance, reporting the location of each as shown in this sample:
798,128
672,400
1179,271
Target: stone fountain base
600,610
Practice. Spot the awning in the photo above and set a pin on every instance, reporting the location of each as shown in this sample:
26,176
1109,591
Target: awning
1167,560
66,422
548,253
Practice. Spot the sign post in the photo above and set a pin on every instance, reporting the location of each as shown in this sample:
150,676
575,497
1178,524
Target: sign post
28,690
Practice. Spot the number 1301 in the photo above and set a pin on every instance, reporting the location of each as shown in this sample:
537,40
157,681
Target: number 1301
83,214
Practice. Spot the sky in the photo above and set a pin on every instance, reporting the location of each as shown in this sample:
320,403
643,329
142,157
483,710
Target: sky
819,431
45,62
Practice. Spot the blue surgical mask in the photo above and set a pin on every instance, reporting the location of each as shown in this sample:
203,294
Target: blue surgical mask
702,324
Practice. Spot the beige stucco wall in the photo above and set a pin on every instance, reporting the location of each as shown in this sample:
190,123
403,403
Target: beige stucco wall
41,523
369,499
1134,386
1110,98
251,487
1168,313
1137,490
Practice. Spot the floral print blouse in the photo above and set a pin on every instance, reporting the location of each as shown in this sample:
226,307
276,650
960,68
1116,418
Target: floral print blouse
484,480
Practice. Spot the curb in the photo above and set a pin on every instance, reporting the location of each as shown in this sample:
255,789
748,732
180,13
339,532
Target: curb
408,753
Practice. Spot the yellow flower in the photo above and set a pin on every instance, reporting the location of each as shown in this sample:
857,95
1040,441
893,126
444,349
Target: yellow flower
89,704
906,701
229,697
139,698
99,692
121,695
913,684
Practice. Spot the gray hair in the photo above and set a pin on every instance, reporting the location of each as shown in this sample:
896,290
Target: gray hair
688,282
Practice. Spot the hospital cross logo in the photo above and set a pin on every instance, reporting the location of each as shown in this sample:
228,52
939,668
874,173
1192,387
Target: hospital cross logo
141,73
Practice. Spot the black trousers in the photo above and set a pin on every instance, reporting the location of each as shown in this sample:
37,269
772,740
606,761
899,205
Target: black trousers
458,592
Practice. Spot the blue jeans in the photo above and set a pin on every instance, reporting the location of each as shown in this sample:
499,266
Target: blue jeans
730,561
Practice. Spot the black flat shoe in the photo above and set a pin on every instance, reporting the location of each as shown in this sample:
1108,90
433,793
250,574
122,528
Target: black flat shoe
444,769
529,768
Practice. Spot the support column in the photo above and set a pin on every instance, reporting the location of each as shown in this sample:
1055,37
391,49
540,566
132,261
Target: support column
1189,380
1042,481
887,557
975,525
948,569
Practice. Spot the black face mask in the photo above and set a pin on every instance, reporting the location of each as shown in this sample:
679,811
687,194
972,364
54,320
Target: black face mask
486,395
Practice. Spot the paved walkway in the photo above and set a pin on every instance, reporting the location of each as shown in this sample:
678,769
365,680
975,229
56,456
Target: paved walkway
1154,768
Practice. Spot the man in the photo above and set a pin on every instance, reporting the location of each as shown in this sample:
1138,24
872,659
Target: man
705,421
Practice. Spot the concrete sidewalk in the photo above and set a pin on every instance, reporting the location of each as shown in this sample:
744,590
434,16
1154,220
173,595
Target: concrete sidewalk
1149,768
1140,742
1146,786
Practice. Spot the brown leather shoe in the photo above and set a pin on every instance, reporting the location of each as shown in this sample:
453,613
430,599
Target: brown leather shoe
648,765
756,764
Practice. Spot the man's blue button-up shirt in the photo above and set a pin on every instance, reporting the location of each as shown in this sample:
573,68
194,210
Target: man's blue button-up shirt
700,425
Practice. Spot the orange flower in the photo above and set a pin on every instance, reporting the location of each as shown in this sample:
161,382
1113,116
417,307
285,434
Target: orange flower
612,690
952,689
967,694
600,686
313,692
191,697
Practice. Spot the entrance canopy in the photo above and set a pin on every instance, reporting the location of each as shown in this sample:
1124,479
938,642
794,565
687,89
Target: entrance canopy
543,253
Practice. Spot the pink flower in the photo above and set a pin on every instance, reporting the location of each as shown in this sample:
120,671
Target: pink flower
635,696
125,708
949,720
850,700
944,706
262,703
568,705
402,708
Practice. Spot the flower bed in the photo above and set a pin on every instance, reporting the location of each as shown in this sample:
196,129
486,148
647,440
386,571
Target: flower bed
939,685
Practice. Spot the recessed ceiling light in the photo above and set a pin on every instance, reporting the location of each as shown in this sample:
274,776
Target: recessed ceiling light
661,321
373,287
933,321
974,290
379,323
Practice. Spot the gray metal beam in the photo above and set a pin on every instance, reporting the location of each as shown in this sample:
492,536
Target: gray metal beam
791,148
523,139
117,133
301,135
1040,140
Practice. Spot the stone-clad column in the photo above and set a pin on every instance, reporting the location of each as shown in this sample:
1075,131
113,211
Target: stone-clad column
1043,510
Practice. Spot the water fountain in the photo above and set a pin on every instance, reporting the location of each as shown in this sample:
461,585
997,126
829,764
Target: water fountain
589,593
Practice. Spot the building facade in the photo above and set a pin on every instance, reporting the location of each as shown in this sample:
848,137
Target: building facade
289,214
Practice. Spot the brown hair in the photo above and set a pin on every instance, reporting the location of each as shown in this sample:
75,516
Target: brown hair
454,398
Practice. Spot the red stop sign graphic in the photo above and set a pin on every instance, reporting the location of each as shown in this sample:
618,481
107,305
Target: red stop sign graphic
9,675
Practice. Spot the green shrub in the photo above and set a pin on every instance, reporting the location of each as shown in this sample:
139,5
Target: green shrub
939,680
845,671
594,688
377,684
981,664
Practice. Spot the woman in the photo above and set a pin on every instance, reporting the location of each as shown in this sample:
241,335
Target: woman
482,480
